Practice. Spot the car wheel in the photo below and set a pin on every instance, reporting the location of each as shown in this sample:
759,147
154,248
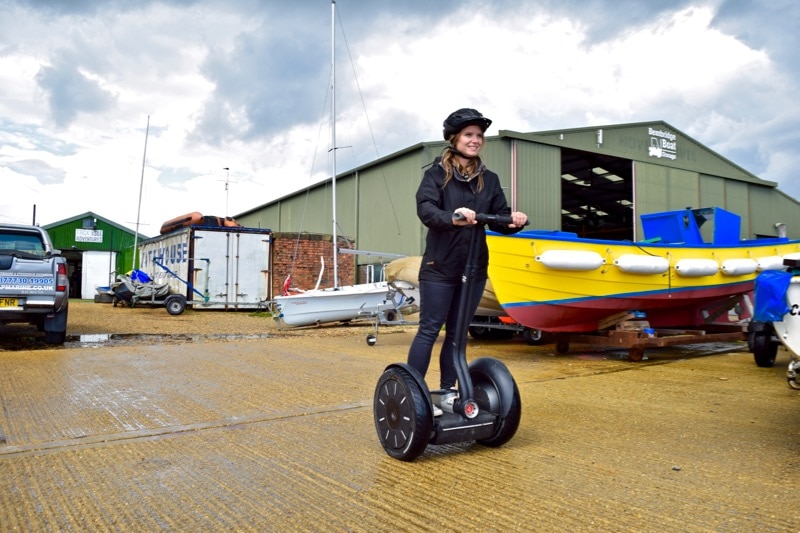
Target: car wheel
55,337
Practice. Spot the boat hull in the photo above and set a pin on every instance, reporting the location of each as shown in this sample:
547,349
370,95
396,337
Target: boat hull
406,270
557,282
340,304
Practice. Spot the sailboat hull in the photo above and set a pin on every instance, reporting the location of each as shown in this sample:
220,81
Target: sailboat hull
341,304
555,281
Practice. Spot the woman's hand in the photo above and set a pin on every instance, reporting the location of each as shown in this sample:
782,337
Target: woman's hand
520,219
467,217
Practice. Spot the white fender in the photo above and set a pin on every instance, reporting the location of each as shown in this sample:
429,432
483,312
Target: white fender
770,262
642,264
697,267
739,267
571,259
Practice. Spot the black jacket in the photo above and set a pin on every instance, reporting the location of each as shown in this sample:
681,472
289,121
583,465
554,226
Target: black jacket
446,245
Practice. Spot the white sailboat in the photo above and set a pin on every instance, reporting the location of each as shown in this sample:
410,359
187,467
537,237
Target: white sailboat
341,303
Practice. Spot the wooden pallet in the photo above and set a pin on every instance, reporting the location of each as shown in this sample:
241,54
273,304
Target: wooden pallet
635,335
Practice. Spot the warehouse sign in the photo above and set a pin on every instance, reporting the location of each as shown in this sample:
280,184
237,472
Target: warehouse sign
663,144
88,235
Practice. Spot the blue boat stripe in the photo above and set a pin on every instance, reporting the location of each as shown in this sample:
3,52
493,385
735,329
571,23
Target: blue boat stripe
620,296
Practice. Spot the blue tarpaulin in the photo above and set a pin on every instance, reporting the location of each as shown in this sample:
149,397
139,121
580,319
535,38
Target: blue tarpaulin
770,296
141,276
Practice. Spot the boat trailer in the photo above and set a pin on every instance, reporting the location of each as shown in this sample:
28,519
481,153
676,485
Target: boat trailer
631,331
138,288
482,327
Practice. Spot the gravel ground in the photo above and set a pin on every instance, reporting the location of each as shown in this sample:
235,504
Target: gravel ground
87,317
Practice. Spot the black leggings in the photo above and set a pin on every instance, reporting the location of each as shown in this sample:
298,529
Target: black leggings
439,302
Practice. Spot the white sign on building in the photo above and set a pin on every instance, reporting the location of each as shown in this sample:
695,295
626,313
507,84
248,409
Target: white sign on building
88,235
663,144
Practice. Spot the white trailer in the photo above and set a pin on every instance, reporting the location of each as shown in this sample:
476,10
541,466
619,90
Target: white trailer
212,267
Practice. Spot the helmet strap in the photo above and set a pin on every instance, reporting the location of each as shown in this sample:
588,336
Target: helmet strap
453,149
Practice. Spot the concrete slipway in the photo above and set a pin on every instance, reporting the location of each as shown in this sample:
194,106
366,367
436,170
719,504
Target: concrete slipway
276,434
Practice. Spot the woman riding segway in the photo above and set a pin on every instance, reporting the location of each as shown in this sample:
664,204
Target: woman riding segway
453,191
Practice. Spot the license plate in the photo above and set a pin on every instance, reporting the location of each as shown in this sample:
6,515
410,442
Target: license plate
8,302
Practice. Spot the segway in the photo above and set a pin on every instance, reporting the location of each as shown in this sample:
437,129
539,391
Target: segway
487,408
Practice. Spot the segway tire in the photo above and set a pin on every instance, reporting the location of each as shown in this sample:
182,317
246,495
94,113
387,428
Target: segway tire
486,381
403,418
508,425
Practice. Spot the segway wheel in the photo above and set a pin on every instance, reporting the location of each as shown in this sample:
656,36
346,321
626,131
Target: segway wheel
403,418
507,426
486,382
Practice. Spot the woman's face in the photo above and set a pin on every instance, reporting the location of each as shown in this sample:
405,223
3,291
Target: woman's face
470,141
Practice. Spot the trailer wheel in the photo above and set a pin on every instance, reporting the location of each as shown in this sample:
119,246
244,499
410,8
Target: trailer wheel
175,304
533,336
764,350
479,332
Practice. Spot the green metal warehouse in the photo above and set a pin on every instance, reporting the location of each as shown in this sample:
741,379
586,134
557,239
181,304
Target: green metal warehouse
594,181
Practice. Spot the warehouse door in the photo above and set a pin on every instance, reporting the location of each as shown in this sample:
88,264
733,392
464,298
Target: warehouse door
596,195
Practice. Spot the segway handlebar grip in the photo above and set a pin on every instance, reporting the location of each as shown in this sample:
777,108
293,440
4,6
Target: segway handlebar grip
483,218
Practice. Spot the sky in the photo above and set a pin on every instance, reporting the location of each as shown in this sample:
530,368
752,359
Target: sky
143,111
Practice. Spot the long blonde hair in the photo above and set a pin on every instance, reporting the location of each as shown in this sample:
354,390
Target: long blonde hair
450,162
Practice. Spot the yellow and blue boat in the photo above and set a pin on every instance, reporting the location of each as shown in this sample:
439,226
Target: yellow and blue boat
559,282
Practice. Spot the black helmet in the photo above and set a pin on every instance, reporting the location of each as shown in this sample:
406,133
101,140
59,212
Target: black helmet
458,120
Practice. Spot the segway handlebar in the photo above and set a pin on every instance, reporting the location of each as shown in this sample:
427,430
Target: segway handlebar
466,405
483,218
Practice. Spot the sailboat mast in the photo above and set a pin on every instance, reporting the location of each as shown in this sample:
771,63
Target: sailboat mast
141,184
333,143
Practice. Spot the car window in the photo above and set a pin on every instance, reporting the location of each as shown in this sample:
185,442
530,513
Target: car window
31,244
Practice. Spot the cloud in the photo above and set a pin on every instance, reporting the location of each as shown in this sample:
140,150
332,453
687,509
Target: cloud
71,92
16,138
61,7
245,84
44,173
771,26
175,177
264,82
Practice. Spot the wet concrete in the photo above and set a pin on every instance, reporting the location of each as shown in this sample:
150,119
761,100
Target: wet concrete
29,340
277,434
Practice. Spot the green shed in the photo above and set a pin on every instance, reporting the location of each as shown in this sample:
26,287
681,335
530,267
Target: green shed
96,250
